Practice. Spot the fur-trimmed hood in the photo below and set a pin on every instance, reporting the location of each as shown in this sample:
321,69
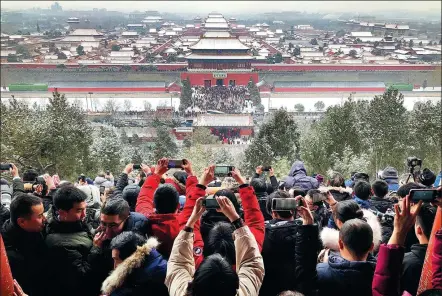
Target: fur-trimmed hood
330,237
120,274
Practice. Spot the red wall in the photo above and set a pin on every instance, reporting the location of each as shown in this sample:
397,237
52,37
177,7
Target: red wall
108,89
300,67
240,78
328,89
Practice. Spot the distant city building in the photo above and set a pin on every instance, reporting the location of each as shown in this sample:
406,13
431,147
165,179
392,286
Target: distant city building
56,7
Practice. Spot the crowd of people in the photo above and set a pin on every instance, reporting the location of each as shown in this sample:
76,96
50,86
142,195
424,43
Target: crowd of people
229,99
151,232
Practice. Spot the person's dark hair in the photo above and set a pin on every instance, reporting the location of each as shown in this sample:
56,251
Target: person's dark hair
166,199
431,292
220,241
214,277
230,194
425,218
296,190
427,177
314,194
336,180
66,196
278,194
30,175
116,206
357,237
362,190
404,190
346,210
21,206
126,243
259,185
380,188
290,293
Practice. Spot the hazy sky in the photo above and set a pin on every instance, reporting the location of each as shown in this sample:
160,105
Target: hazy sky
235,6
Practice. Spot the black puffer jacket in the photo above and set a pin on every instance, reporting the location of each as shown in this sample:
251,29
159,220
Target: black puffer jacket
27,255
69,244
100,259
279,256
262,200
381,204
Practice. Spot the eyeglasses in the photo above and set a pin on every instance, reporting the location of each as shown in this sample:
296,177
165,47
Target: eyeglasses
111,225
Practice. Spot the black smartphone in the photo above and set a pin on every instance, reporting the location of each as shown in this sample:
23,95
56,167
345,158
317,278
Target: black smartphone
285,204
102,189
426,195
266,168
137,166
223,171
210,203
5,166
108,172
175,163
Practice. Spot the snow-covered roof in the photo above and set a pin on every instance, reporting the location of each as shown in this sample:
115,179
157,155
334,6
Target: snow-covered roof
85,32
216,25
216,20
217,57
121,54
170,50
224,120
129,33
219,44
135,25
361,34
78,38
215,34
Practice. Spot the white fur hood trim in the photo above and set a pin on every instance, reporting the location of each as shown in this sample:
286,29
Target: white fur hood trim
349,190
119,274
330,237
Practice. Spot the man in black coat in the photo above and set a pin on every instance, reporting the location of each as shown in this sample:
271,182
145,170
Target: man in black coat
278,249
115,217
379,203
24,243
414,260
69,240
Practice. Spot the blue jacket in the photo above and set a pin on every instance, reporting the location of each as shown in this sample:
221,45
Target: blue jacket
344,278
364,204
438,183
298,177
142,273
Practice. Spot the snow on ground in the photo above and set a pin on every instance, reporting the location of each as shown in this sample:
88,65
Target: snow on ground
289,103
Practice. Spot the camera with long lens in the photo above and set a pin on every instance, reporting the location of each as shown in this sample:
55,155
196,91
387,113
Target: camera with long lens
6,196
31,187
388,216
413,162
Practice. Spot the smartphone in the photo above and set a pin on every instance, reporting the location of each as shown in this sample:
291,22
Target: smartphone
317,196
107,172
137,166
211,203
5,166
285,204
223,171
426,195
175,163
102,189
266,168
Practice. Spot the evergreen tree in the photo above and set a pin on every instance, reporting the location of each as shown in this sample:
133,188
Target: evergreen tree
80,50
186,95
299,108
254,92
277,139
319,105
411,43
386,127
165,146
38,28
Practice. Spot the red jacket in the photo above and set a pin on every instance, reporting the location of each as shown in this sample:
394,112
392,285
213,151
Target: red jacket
253,217
165,227
388,268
